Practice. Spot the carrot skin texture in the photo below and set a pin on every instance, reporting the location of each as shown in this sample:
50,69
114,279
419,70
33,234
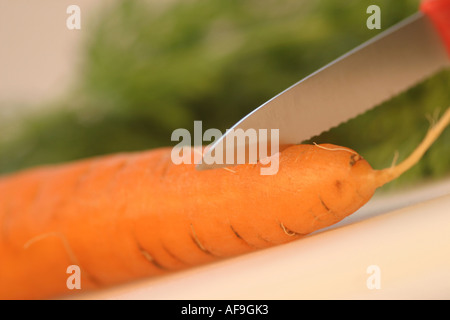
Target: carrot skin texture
128,216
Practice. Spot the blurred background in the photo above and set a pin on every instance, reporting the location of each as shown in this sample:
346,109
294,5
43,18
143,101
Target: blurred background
137,70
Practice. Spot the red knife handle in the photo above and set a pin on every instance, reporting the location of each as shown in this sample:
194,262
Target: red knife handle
439,13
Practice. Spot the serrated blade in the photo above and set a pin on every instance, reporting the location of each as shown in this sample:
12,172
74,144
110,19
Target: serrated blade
372,73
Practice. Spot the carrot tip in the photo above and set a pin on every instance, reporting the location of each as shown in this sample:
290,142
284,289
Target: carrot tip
387,175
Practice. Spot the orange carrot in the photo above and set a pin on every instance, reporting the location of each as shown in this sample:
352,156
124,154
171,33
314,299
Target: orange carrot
128,216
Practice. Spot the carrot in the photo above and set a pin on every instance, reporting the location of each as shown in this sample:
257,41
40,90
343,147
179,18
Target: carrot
128,216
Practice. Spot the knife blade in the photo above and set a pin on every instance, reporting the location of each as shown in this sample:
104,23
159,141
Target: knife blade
368,75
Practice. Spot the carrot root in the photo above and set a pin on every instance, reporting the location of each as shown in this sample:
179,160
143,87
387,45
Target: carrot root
387,175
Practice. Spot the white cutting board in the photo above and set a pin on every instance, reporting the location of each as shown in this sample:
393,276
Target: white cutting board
396,247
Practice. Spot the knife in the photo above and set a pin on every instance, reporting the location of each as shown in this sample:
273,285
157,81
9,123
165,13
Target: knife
361,79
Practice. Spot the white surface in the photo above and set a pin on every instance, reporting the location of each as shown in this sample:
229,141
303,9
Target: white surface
411,246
